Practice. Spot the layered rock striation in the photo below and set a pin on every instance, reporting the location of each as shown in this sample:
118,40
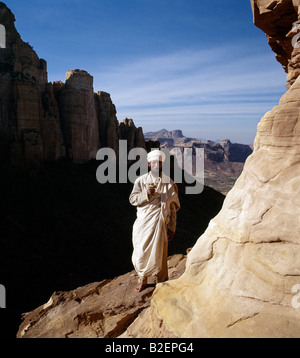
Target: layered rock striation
243,274
42,121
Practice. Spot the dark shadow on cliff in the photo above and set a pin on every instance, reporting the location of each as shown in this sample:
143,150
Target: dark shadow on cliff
61,229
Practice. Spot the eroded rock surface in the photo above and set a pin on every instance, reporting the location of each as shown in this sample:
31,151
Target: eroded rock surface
99,310
279,19
242,275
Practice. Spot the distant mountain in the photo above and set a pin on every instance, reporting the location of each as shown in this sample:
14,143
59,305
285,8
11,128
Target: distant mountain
224,161
163,133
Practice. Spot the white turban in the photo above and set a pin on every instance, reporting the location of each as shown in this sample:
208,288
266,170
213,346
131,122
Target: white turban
156,155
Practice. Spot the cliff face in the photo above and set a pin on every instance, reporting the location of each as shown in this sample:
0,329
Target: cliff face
242,275
279,19
42,121
23,75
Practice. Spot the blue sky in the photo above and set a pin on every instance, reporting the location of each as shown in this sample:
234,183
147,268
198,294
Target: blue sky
196,65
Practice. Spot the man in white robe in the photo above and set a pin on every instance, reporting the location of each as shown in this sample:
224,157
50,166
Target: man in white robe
156,197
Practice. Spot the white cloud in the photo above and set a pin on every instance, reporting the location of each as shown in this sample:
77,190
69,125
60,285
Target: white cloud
217,88
189,74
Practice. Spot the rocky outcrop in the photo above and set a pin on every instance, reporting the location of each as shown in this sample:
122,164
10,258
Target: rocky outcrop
23,75
133,135
78,116
108,122
163,134
99,310
243,273
279,19
41,121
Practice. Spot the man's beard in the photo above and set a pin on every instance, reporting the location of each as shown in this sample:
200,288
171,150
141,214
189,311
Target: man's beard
156,172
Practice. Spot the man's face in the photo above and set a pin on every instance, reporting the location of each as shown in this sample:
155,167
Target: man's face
156,167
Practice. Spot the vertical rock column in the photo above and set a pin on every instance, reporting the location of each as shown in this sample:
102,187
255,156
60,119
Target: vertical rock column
30,130
51,129
134,136
78,116
23,75
107,121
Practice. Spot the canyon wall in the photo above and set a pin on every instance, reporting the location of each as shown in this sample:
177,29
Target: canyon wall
279,19
42,121
242,275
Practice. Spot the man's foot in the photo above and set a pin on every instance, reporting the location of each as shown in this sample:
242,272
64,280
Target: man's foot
141,287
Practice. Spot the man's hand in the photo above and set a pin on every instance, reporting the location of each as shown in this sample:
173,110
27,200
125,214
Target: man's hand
151,190
171,235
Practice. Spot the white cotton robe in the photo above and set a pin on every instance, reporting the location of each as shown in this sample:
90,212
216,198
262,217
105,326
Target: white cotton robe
154,217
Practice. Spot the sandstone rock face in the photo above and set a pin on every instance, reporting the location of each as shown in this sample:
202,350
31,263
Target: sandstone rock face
51,129
108,123
134,136
99,310
279,19
243,273
79,117
41,121
23,75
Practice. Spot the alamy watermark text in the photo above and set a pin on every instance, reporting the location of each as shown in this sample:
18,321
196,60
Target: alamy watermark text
189,163
296,297
2,36
2,297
